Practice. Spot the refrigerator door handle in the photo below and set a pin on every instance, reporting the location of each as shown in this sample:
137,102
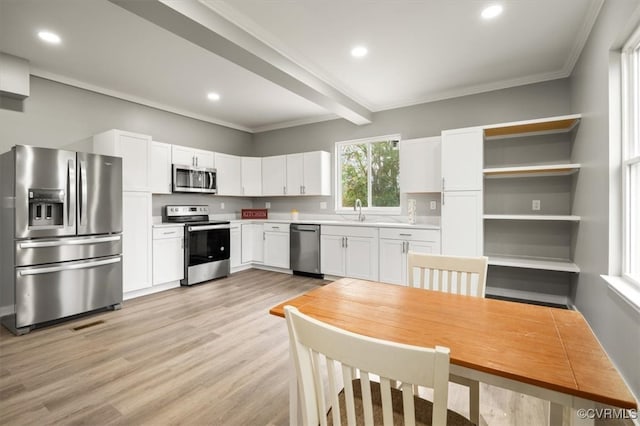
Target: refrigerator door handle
83,194
71,180
83,265
40,244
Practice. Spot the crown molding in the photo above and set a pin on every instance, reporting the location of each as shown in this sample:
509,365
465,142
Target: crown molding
131,98
583,35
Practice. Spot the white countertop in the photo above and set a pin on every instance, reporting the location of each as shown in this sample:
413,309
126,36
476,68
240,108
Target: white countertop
342,223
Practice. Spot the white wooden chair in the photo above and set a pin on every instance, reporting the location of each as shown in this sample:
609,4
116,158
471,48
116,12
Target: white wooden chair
452,274
348,359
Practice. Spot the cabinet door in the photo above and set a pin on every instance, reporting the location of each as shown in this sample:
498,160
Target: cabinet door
135,152
258,243
160,168
182,155
276,249
427,247
461,223
228,177
420,165
392,261
236,247
274,175
251,176
461,154
204,158
247,230
136,240
168,260
317,173
332,259
361,258
295,174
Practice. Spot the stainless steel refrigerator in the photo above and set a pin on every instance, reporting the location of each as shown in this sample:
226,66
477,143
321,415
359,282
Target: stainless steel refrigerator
60,234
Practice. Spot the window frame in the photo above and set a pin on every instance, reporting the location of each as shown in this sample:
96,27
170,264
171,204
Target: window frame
339,209
630,97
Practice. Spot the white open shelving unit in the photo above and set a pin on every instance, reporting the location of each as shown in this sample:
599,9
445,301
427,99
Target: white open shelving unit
534,156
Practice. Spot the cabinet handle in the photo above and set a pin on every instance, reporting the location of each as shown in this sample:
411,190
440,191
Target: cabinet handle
346,242
284,190
405,235
275,227
304,189
264,237
301,190
169,232
181,243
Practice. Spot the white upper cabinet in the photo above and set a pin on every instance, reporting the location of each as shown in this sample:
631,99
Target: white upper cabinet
309,173
274,175
295,174
420,165
317,173
135,150
462,163
251,176
228,174
187,156
160,168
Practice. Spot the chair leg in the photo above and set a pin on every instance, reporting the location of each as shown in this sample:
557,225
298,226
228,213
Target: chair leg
474,402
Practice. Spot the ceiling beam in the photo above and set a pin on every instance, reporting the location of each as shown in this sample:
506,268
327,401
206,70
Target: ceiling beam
197,23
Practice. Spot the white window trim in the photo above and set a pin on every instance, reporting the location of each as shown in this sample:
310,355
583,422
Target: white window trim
378,211
624,285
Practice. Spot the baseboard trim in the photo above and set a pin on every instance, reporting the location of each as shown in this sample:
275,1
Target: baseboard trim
151,290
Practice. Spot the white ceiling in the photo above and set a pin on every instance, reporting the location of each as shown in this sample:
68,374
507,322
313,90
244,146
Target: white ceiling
281,62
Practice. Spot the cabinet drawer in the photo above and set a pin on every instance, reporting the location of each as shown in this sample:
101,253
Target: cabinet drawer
276,227
409,234
168,232
349,231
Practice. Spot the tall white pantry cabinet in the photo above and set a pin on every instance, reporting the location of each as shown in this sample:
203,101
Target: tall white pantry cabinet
461,212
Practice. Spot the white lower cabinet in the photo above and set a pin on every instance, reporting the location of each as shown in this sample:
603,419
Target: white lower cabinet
349,251
136,240
168,254
394,246
236,245
276,245
462,223
252,243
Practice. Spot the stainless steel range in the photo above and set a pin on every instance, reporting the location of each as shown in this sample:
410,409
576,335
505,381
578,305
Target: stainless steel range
207,251
60,234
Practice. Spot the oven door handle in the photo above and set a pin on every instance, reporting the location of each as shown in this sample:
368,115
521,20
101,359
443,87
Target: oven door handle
207,227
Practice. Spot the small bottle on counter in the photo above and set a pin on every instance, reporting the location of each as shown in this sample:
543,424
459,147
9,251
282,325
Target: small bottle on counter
294,214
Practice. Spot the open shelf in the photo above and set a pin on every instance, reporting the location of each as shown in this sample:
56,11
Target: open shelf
562,124
534,263
564,218
527,297
532,171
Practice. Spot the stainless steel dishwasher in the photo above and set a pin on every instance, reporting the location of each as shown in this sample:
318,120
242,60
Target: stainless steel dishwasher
305,249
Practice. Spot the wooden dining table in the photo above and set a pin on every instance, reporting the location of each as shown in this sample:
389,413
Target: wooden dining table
545,352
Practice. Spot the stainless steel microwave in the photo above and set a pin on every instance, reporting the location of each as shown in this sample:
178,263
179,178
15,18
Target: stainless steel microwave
193,179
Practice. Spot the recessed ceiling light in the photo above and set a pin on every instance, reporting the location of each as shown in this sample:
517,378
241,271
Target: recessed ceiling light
213,96
49,37
492,11
359,51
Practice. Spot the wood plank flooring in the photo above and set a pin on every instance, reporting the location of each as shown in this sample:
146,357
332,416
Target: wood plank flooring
209,354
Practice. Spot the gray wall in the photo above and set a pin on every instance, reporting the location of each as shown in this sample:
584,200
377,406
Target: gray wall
55,115
615,323
519,103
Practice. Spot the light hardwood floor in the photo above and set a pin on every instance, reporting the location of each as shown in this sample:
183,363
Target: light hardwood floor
208,354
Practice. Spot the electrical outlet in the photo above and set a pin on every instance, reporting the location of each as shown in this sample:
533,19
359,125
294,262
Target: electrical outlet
267,205
433,205
221,206
535,205
323,205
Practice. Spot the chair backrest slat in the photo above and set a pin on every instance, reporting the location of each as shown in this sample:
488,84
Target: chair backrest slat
452,274
354,354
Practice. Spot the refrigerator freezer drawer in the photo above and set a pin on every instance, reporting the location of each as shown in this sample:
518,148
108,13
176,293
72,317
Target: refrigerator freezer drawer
38,252
45,293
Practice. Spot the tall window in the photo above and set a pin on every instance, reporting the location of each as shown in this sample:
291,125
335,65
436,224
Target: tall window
631,157
368,170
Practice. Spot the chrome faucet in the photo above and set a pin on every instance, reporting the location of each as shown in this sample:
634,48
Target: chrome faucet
358,206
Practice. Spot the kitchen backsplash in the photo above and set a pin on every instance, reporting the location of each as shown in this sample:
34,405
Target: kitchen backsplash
308,207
